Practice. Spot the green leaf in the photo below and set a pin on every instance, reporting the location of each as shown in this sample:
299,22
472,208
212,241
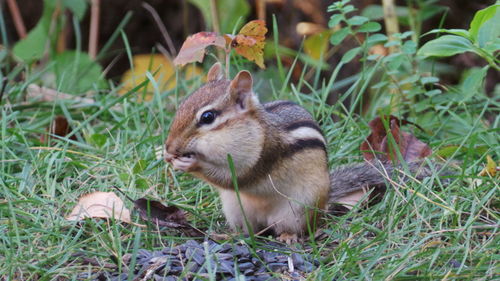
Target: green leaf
376,38
77,7
229,11
357,20
409,47
473,83
370,27
98,139
334,20
339,36
454,31
140,166
445,46
33,46
484,27
76,72
347,57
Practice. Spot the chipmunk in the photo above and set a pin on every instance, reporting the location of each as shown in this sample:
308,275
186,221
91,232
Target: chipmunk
278,150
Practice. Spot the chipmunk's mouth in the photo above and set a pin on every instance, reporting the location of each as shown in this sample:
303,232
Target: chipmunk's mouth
184,162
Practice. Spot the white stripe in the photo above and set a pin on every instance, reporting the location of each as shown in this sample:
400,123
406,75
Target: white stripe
306,133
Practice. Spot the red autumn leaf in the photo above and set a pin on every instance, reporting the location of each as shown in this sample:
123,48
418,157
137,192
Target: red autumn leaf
193,49
250,41
378,144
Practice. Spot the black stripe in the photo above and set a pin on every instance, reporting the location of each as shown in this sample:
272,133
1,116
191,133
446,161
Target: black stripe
277,105
307,123
303,144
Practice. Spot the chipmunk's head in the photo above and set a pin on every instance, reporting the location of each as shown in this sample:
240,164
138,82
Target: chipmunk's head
220,118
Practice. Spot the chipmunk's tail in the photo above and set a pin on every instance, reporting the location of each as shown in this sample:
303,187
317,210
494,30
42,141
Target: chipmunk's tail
350,178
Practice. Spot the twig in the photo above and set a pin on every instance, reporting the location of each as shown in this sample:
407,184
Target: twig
94,28
391,22
215,16
162,28
4,86
18,20
260,6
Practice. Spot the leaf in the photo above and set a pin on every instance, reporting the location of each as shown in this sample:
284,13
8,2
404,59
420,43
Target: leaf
370,27
250,41
162,70
350,200
445,46
334,20
316,45
229,11
157,213
460,32
193,49
377,143
59,127
77,7
50,95
473,82
349,55
484,27
76,72
409,47
100,205
339,36
33,46
357,20
139,166
490,169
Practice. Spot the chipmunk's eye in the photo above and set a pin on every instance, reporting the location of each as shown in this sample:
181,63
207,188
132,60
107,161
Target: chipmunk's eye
207,117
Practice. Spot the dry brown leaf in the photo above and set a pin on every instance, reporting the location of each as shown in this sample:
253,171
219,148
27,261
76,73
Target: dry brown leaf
379,145
100,205
193,49
249,43
350,200
58,127
45,94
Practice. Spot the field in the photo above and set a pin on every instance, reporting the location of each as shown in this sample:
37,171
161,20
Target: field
430,229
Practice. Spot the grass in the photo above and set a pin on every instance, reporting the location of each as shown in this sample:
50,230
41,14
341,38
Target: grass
424,230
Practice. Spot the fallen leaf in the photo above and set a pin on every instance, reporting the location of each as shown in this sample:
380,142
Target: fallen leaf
193,49
378,145
350,200
163,72
250,41
100,205
58,127
151,210
46,94
161,215
490,169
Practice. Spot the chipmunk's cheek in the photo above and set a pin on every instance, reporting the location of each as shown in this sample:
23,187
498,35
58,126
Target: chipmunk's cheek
185,164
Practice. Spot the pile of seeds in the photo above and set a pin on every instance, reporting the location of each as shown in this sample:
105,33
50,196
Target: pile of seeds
194,261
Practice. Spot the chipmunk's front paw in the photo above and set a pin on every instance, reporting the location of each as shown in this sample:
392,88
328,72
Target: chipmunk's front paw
288,238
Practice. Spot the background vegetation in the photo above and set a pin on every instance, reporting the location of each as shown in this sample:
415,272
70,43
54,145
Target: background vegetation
345,62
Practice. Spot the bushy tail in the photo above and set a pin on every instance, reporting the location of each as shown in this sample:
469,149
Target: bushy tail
350,178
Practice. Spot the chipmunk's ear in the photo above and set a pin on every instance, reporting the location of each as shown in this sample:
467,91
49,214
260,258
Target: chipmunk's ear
240,90
215,73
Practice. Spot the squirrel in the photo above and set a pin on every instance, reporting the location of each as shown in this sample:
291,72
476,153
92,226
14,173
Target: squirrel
278,150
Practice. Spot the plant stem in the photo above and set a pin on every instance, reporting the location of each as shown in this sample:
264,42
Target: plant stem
391,22
215,16
94,28
16,16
